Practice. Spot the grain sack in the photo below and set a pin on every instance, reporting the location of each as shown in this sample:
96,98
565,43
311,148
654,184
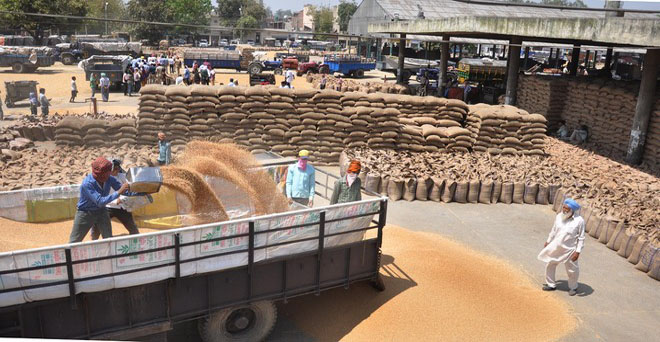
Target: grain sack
542,195
460,195
506,196
373,182
531,190
409,189
654,268
383,186
617,237
630,236
518,193
648,255
595,225
558,200
424,185
586,213
485,192
636,253
497,192
607,231
436,189
473,191
448,191
395,189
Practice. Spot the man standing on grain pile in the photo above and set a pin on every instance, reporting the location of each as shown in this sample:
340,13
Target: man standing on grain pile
564,245
300,181
94,195
347,189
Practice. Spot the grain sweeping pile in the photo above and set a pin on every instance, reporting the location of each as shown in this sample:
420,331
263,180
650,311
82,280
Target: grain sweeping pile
439,290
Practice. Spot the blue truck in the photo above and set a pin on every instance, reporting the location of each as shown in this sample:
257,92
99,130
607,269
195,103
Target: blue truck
223,59
25,63
351,66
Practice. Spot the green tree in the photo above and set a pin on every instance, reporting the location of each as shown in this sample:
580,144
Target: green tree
230,11
246,21
345,11
323,20
255,9
36,26
149,10
116,10
189,12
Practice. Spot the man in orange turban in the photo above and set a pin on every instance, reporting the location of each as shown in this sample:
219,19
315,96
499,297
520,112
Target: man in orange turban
347,188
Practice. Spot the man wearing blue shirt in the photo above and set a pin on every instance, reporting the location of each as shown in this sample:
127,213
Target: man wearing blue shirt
94,195
300,181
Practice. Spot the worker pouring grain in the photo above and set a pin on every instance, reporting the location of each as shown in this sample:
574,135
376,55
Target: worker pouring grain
300,181
94,195
347,188
564,246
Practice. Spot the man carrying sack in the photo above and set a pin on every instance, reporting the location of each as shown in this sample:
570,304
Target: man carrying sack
94,195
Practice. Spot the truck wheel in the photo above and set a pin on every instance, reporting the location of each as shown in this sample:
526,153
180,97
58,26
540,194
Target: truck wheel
18,67
254,68
67,60
278,71
324,69
378,284
251,322
359,73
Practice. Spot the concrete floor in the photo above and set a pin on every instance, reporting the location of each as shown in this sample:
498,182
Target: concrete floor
615,301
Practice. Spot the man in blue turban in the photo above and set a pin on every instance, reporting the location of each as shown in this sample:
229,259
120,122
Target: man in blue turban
564,246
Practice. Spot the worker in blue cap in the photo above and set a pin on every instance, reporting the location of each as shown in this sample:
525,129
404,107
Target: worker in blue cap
564,246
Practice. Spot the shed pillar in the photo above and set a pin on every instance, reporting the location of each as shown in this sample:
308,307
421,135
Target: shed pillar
494,47
608,59
402,48
526,64
575,60
512,70
586,59
444,61
478,50
557,59
645,101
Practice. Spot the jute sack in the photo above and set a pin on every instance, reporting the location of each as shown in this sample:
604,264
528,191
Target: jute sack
607,231
648,255
542,195
586,212
373,182
424,185
628,242
383,186
436,189
531,190
506,196
460,195
485,192
518,192
654,268
448,191
617,237
473,191
497,192
409,189
595,225
636,253
395,189
558,200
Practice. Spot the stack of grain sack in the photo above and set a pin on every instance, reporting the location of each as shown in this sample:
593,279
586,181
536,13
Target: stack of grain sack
506,129
302,134
281,106
330,136
203,115
230,112
545,95
69,131
246,57
652,147
122,132
255,105
95,132
177,119
152,110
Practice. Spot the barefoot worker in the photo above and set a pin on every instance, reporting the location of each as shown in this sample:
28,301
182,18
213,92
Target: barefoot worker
564,246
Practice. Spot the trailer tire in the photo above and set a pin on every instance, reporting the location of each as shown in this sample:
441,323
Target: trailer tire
378,284
255,68
324,69
67,59
359,73
18,67
278,71
251,322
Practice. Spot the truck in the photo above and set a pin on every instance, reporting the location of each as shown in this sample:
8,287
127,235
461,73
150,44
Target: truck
225,275
351,66
112,66
71,53
25,59
277,66
217,58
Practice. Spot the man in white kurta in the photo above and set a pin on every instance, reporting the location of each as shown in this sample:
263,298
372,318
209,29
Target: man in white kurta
564,245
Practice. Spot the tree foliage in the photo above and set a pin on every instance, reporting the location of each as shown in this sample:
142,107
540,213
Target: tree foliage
323,20
280,14
36,26
116,10
345,11
189,12
149,10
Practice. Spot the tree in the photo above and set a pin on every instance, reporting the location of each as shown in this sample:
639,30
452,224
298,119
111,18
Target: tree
189,12
36,26
148,10
345,11
280,14
116,10
323,20
230,11
246,21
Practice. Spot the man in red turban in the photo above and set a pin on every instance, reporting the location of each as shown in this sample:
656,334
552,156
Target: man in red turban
347,188
94,195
